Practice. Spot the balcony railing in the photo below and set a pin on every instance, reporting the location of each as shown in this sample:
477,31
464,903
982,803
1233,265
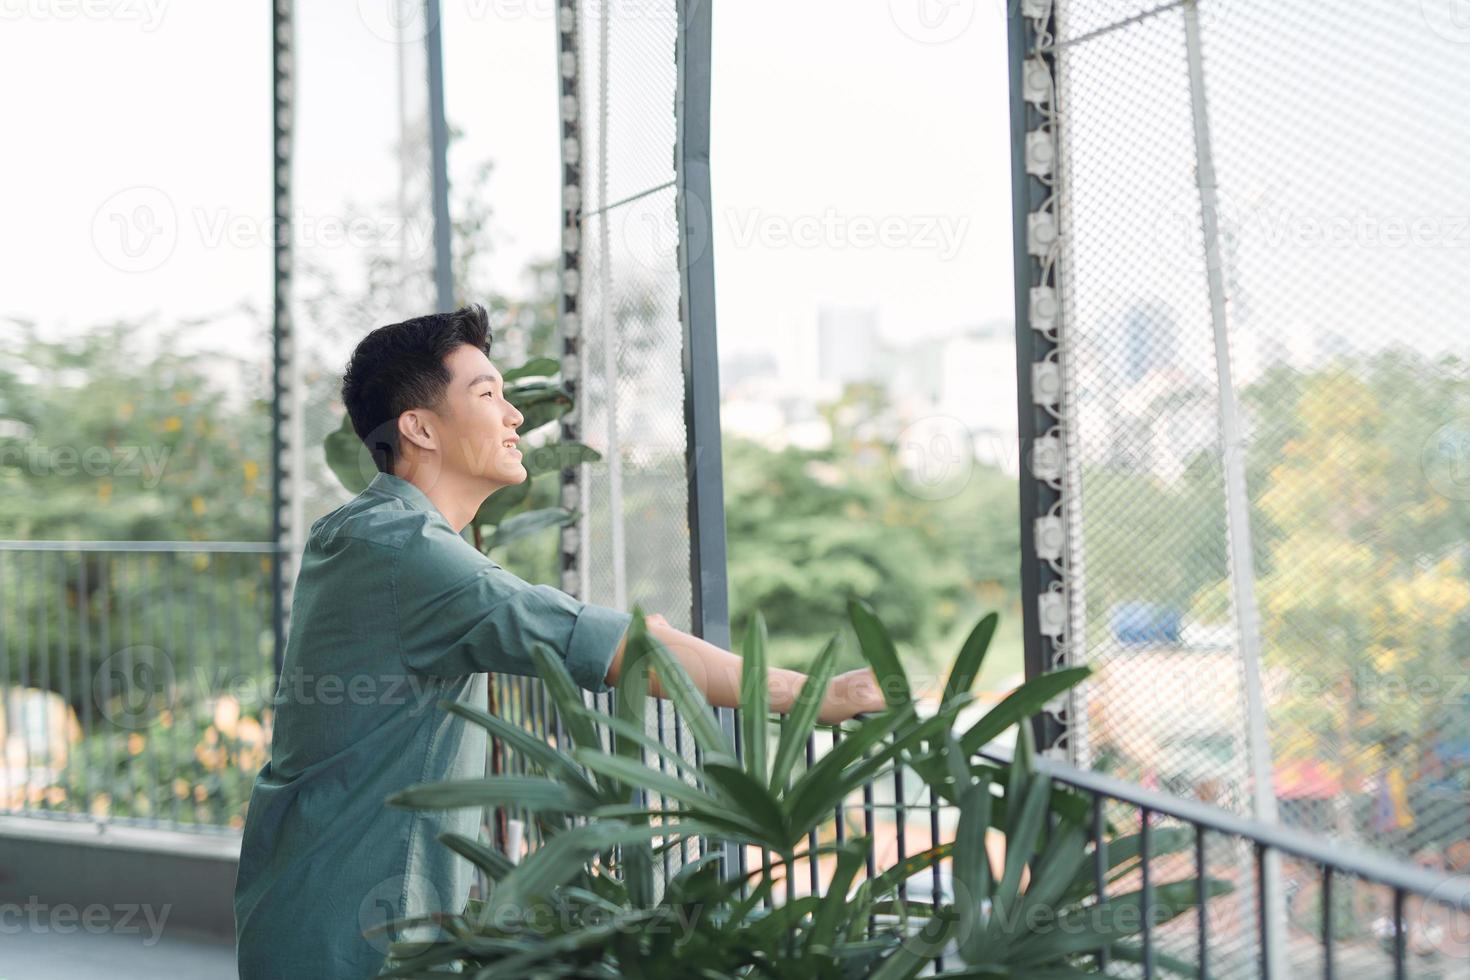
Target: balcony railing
135,679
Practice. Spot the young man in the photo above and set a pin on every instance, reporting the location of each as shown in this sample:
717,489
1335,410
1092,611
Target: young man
392,611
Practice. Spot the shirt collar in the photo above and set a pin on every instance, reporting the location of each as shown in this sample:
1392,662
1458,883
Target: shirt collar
396,486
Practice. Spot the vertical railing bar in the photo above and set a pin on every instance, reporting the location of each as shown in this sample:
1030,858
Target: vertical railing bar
841,817
104,622
741,861
204,693
1202,895
84,677
684,842
249,694
170,565
25,683
1261,909
871,862
1400,939
900,824
64,662
5,695
813,873
126,653
43,644
1327,937
1100,865
663,767
1144,843
150,762
937,879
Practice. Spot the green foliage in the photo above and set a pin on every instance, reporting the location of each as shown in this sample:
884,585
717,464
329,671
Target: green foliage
192,765
582,904
807,530
105,439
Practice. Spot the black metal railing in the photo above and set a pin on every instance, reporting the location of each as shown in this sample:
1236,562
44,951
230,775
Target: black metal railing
1349,910
135,679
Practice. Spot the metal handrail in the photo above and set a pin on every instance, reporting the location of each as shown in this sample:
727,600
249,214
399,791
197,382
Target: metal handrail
224,547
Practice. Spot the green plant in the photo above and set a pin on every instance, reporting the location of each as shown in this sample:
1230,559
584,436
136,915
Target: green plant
584,903
541,401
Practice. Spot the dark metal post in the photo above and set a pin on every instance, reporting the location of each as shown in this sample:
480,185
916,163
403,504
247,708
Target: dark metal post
1032,346
439,158
709,613
711,607
283,100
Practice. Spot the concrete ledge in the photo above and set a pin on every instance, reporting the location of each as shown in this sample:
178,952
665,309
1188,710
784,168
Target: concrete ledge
61,871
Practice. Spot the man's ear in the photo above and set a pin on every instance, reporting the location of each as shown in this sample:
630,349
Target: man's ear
419,428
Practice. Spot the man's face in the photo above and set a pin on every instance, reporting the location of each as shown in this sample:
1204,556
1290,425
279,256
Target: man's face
475,421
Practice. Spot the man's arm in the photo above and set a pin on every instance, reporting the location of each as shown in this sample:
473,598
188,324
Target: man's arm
716,672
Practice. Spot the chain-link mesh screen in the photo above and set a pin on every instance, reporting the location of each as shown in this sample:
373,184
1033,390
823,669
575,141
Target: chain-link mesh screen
1313,300
634,540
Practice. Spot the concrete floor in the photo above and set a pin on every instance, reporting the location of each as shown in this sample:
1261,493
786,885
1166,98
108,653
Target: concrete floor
29,955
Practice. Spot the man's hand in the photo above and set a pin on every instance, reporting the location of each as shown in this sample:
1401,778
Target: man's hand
849,694
716,673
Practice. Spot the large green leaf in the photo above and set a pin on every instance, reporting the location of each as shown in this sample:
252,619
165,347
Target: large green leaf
555,456
1024,825
755,697
801,721
821,789
971,867
487,859
529,746
878,650
567,696
502,502
523,525
1020,704
966,667
347,458
634,773
531,793
561,858
630,700
691,702
1084,930
829,918
536,367
539,402
751,799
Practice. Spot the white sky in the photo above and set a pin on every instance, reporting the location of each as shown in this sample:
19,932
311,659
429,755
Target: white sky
826,115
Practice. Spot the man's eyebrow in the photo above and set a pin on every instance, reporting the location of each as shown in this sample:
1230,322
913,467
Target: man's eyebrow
492,378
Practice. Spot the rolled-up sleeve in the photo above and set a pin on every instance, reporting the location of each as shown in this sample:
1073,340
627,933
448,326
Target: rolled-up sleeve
459,612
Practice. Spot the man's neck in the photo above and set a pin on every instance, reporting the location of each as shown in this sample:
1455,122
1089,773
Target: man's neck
457,497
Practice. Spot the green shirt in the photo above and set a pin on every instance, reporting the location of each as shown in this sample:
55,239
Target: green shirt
392,611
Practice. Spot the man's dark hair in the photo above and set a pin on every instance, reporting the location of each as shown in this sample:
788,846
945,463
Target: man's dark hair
401,366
